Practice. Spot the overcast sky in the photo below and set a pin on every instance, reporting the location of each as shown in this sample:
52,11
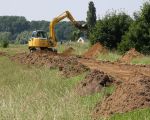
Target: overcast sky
48,9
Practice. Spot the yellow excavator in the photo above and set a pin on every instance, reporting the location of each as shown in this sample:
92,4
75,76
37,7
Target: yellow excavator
40,40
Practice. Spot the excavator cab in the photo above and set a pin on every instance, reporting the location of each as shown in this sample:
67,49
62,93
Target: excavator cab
38,40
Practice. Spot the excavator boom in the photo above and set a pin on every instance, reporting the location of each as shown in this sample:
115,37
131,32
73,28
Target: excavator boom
39,38
64,15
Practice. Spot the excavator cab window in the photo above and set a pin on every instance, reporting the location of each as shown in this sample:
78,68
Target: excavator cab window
34,34
39,34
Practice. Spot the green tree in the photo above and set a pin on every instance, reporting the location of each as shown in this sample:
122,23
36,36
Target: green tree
91,16
13,24
110,29
138,36
39,25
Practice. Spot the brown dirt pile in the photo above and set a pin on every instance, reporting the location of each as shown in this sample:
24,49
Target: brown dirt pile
94,82
2,54
95,50
68,65
128,96
68,51
71,67
130,55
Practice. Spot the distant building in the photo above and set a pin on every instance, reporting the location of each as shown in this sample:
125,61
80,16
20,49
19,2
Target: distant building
81,40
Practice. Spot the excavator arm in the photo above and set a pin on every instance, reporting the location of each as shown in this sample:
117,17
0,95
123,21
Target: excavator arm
64,15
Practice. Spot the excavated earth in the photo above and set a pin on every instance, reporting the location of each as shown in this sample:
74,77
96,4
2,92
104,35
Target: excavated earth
68,65
130,55
68,52
132,92
94,82
95,50
131,95
2,54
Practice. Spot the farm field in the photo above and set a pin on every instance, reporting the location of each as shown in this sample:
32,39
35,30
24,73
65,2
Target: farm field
44,86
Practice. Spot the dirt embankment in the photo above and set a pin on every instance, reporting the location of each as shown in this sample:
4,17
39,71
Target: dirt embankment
117,70
94,82
95,50
130,55
131,95
68,65
132,92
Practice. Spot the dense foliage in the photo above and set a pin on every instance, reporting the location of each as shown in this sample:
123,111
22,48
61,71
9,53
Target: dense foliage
119,31
110,29
13,24
4,39
64,30
19,27
91,15
23,37
138,35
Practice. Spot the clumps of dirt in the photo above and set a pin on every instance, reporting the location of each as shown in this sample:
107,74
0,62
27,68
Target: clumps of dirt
128,96
69,65
95,50
130,55
68,51
2,54
94,82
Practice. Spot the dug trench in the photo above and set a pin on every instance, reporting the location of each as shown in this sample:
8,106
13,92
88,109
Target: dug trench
135,78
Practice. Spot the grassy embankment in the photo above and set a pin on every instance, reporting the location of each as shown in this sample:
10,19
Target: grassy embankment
35,93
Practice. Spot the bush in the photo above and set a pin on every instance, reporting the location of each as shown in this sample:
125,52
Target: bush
110,29
4,39
5,44
23,37
138,36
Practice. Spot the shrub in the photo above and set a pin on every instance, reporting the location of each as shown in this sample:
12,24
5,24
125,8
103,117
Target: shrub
5,43
138,36
110,29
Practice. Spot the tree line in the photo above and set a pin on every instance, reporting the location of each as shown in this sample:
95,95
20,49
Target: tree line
17,29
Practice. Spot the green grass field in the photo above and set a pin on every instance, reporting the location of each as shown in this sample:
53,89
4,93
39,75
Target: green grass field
38,93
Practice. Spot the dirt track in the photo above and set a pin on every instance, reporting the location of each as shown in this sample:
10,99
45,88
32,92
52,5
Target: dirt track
133,92
117,70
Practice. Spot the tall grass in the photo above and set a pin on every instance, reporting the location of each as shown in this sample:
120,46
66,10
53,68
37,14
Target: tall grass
28,92
35,93
135,115
109,57
143,60
13,49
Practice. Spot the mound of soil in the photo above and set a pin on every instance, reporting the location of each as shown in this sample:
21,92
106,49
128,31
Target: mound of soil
68,51
68,65
2,53
95,50
128,96
71,67
94,82
130,55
